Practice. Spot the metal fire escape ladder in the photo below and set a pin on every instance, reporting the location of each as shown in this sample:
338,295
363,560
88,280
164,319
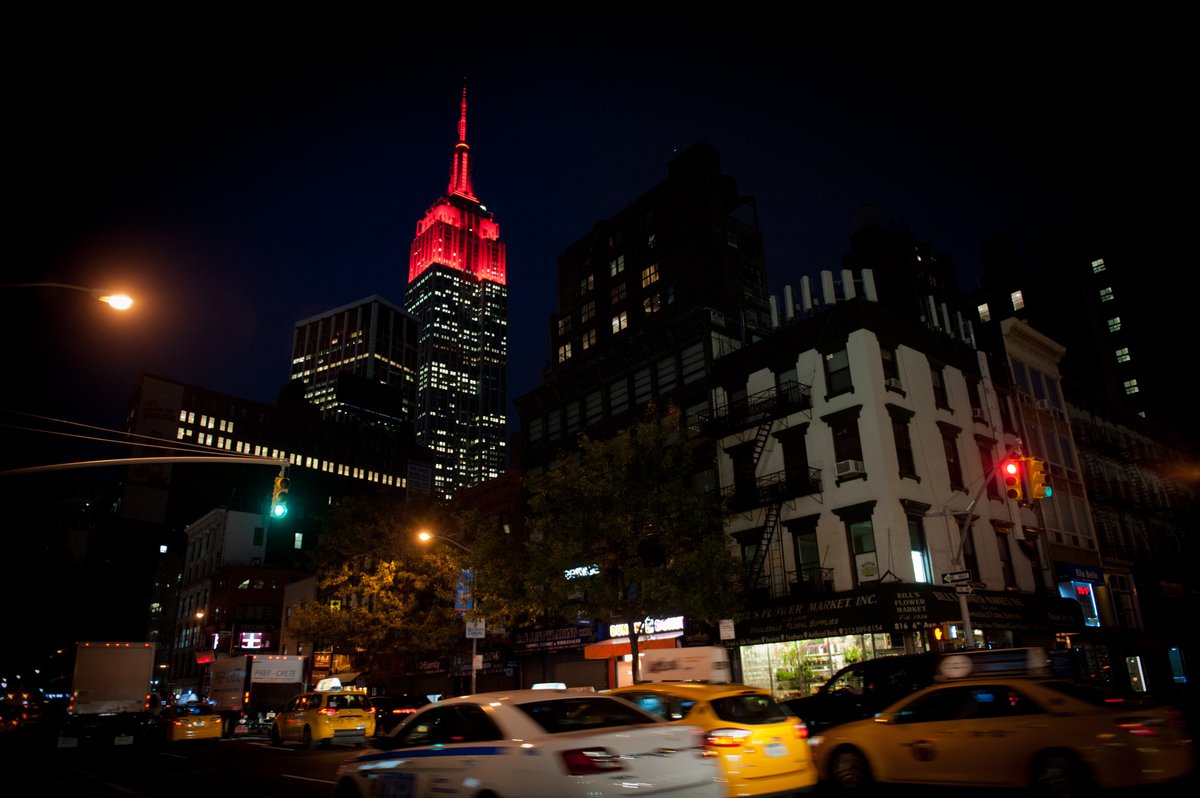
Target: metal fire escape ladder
760,441
771,522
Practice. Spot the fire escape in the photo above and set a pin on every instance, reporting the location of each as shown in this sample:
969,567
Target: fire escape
768,491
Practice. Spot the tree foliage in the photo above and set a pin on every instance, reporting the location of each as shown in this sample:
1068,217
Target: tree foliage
380,590
623,519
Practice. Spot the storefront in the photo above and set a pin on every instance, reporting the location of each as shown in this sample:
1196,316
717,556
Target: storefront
793,647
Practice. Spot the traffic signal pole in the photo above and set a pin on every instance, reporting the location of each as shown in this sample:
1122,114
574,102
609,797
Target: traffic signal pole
965,530
276,461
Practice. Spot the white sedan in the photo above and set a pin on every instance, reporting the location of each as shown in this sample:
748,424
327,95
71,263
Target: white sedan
533,744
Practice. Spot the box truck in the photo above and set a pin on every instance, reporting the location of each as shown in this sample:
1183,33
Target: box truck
111,694
253,687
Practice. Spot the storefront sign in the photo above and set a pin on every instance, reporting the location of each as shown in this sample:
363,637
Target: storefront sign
903,607
561,639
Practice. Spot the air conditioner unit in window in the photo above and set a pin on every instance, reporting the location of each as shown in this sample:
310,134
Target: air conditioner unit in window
893,382
848,468
977,413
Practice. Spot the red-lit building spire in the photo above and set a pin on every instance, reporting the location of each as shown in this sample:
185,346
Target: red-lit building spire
460,167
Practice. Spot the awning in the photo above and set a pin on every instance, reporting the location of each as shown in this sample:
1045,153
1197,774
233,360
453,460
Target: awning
619,646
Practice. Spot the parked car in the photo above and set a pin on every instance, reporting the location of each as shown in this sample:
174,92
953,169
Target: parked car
862,689
1040,734
189,722
546,743
763,750
391,710
342,715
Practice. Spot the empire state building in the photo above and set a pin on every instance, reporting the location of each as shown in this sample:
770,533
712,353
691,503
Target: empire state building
456,290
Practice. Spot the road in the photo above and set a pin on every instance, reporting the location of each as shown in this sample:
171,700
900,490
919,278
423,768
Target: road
237,766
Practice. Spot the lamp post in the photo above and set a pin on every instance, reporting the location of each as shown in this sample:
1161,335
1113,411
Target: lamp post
113,299
426,537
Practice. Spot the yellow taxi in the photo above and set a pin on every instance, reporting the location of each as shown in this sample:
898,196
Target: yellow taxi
190,722
996,727
763,749
330,714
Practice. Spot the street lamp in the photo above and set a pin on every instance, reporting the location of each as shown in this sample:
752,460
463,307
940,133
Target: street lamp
115,300
426,537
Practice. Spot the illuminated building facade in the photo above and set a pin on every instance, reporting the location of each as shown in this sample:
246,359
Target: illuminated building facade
358,363
456,290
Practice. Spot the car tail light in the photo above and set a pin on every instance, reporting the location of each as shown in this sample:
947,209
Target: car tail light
801,730
327,711
1138,727
726,738
591,761
399,711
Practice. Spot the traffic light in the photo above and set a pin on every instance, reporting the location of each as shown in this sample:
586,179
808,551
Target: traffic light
1010,470
1038,487
279,497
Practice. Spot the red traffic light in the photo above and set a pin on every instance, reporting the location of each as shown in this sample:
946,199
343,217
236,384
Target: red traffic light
1010,469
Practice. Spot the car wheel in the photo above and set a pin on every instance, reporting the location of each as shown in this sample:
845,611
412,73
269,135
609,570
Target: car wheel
1060,775
306,739
346,789
276,740
849,771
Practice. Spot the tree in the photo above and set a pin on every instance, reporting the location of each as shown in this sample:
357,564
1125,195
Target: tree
636,540
380,591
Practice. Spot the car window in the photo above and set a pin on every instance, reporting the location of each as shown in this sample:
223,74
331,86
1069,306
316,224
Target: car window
664,705
850,680
999,701
748,708
585,712
460,723
939,705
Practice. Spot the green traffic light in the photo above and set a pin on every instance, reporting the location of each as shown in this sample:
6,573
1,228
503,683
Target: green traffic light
279,510
1049,491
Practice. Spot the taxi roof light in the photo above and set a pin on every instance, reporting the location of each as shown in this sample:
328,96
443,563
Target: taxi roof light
970,663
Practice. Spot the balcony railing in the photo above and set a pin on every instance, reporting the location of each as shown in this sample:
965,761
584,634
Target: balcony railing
772,488
787,397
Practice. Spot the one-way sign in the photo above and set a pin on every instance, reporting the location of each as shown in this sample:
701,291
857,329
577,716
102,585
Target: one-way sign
956,577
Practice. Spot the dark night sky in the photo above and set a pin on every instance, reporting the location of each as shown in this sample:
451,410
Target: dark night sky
237,177
239,183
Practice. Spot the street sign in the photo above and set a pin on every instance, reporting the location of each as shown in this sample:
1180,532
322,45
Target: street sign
956,577
964,589
475,630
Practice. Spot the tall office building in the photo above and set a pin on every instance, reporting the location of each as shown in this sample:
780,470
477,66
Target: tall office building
456,290
358,363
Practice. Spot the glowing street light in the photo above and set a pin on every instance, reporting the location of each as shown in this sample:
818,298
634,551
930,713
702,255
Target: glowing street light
426,537
114,299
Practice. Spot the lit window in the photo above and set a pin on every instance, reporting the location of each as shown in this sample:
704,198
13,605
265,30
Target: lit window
650,275
984,313
1106,294
618,293
616,265
182,416
1018,300
564,352
589,339
1098,265
1123,355
620,322
298,541
1131,386
652,304
587,284
588,311
564,325
1114,324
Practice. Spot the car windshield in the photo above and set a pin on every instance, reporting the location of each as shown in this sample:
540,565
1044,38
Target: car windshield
590,712
749,708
